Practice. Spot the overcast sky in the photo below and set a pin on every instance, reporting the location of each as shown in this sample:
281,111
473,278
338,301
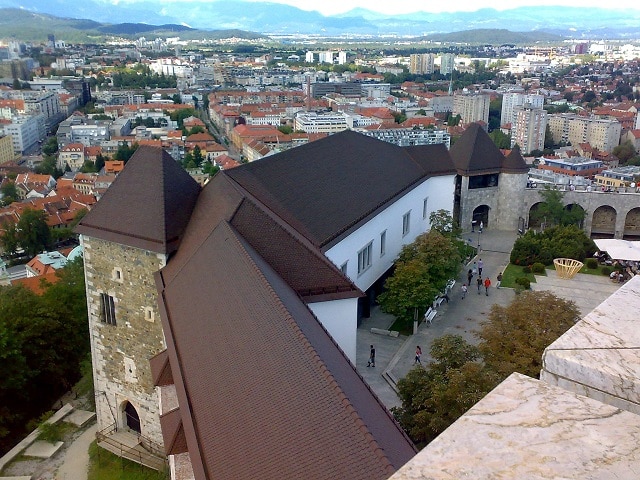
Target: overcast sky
329,7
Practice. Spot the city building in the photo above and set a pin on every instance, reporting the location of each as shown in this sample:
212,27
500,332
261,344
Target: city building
313,122
471,108
422,63
294,294
572,166
618,177
447,63
6,149
528,128
25,131
512,100
405,137
569,128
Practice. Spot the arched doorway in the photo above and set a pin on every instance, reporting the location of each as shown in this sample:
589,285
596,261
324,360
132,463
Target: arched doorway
579,213
536,219
481,214
603,223
131,418
632,225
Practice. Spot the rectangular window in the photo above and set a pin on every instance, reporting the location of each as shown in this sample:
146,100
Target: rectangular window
107,309
343,268
364,258
383,242
425,209
406,222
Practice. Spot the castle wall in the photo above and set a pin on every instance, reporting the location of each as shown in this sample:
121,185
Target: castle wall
510,200
121,352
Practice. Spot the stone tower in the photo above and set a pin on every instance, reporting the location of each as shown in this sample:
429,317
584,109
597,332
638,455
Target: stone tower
127,237
489,185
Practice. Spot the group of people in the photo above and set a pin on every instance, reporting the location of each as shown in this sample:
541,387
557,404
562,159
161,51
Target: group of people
476,269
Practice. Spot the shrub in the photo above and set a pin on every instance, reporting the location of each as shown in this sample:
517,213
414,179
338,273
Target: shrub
526,269
591,263
606,270
537,267
524,282
555,242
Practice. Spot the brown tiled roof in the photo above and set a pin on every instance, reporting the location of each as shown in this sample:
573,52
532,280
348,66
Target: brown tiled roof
474,153
147,206
173,433
161,370
514,163
311,186
264,391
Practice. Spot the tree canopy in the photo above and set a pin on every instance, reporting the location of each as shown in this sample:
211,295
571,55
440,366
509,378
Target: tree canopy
42,342
31,233
513,339
553,211
557,242
422,271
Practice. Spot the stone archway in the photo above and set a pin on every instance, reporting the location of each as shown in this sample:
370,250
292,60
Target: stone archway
481,214
632,225
603,223
130,418
535,221
575,206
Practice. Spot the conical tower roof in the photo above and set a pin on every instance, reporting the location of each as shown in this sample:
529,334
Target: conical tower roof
474,153
148,205
514,163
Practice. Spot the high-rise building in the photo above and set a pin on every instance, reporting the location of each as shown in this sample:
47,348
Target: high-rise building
603,134
447,63
518,99
421,63
528,128
472,108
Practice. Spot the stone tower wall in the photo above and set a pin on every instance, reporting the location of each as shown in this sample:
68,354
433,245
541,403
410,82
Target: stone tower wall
121,352
511,200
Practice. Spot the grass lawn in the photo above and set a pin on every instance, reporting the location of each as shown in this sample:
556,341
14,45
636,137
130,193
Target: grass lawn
104,465
511,273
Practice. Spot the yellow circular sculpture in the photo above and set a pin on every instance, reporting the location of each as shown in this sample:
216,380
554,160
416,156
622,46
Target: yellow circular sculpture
567,267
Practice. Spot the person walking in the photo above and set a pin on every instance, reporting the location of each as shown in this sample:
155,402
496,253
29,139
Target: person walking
474,269
499,280
418,359
469,276
481,226
487,284
372,357
479,282
464,290
480,266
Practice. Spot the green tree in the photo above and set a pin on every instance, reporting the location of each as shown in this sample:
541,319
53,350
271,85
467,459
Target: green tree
553,211
196,129
514,337
99,162
125,152
33,232
51,147
197,156
436,396
421,272
624,152
286,129
49,166
9,193
500,139
9,238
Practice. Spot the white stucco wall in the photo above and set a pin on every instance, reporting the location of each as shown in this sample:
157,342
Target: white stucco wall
340,318
440,194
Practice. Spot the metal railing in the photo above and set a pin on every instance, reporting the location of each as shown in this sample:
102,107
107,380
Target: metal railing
146,452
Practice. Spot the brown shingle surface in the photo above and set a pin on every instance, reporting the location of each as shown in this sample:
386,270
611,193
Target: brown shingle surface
514,163
263,389
474,153
326,188
147,206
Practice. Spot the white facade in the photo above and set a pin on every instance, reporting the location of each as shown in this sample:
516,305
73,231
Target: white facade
25,131
515,99
312,122
387,232
421,63
340,318
602,134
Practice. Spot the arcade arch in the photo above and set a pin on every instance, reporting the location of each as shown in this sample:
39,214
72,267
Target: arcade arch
603,223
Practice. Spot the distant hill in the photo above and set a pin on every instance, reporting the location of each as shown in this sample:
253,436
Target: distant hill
273,18
484,36
30,26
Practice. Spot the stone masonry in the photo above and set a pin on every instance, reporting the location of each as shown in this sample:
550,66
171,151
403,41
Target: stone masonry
121,352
